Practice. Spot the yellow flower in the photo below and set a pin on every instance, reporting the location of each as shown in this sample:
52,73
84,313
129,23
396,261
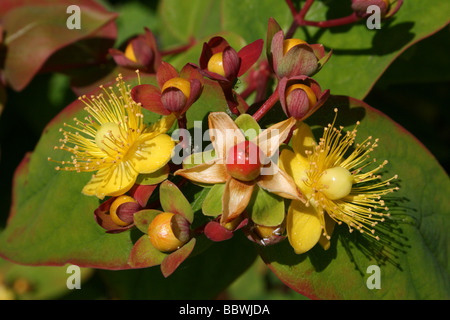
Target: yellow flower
114,141
239,186
334,184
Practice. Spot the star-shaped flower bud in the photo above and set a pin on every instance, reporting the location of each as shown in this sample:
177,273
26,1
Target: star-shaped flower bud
219,61
293,57
140,53
175,93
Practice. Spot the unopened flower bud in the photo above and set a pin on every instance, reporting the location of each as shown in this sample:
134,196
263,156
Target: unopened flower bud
300,99
288,44
175,94
114,208
301,96
215,64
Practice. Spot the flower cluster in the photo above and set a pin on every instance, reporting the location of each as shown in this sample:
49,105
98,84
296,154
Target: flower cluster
298,193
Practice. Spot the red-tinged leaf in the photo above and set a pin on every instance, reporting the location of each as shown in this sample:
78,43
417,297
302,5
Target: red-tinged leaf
249,55
144,255
173,200
218,44
190,72
141,193
272,29
150,98
276,49
173,260
89,51
216,232
196,91
35,32
143,218
165,72
231,63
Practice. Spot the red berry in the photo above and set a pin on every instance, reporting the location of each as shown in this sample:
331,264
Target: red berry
244,161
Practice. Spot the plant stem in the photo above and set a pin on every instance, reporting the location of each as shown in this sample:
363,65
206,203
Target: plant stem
270,102
332,23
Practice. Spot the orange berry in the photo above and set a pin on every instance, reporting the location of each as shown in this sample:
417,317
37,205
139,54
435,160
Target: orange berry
162,234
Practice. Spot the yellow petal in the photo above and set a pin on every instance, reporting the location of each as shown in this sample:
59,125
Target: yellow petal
295,166
210,172
324,241
224,133
302,139
150,154
269,140
280,183
235,199
303,226
111,181
162,125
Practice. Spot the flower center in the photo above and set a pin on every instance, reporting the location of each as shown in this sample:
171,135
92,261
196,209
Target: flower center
108,136
215,64
336,183
244,161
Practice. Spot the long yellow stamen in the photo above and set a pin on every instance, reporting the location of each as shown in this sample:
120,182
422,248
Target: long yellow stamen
112,126
361,208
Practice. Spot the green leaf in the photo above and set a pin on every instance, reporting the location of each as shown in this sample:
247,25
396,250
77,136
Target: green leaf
173,200
266,208
413,249
212,206
357,50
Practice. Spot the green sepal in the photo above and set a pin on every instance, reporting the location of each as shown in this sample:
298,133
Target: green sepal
212,205
144,255
249,126
154,177
143,218
266,208
173,200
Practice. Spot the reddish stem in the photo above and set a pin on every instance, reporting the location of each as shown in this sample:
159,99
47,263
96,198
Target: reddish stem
298,16
182,123
270,102
299,19
332,23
